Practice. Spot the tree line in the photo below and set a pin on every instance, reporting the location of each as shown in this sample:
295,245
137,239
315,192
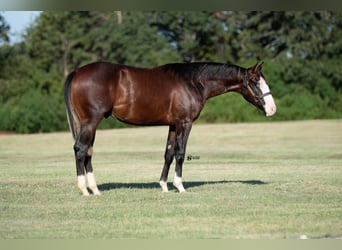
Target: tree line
301,53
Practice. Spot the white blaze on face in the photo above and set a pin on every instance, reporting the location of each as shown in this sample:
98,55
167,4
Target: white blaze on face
269,107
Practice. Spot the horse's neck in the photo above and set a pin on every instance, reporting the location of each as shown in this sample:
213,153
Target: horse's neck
209,79
220,86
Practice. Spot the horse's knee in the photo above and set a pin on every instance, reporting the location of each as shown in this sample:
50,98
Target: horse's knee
180,156
80,151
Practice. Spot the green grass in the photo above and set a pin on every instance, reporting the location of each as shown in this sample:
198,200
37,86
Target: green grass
257,180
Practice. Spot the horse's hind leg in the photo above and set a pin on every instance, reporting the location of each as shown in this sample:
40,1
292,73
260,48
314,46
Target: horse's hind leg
89,170
83,154
80,157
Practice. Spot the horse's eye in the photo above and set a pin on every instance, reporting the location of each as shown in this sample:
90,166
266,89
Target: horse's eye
255,79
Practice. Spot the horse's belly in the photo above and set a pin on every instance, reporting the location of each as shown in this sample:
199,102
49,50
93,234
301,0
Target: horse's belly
141,114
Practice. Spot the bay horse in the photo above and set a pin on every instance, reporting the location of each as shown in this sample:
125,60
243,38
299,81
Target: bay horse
171,94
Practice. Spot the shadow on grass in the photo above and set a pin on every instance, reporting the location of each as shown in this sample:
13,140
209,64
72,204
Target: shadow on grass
155,185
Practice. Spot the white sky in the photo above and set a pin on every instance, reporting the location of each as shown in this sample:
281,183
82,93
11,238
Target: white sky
19,21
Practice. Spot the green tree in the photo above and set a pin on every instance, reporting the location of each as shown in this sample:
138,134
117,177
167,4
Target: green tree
59,40
302,48
197,36
17,72
4,29
132,40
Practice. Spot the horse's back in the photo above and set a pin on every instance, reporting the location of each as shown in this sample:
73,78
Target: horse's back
99,71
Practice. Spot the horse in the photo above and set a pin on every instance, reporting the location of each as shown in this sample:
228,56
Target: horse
172,95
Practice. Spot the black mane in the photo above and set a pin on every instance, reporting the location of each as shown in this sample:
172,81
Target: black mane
204,70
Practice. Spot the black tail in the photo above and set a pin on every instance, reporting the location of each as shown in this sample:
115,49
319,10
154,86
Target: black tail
73,120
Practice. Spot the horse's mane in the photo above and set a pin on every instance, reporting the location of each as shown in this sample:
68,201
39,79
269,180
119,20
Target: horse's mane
204,70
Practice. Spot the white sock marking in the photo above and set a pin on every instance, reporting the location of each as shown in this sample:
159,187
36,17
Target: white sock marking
92,184
177,182
81,182
163,185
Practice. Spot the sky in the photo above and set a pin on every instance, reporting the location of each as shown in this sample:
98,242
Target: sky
19,21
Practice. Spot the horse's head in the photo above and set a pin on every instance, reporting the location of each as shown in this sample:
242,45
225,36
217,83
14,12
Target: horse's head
256,91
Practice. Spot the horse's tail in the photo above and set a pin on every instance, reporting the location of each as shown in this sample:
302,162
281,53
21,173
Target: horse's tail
74,122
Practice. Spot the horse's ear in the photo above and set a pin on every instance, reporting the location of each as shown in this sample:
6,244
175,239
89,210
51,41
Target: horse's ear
256,69
259,67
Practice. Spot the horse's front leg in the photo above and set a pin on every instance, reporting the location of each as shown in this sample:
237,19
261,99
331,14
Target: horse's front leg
183,131
169,154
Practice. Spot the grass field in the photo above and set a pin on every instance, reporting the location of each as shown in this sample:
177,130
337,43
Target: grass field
257,180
